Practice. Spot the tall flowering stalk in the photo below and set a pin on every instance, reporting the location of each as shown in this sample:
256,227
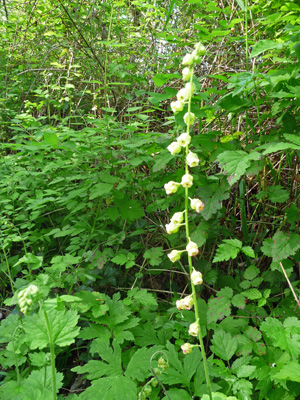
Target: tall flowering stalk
179,219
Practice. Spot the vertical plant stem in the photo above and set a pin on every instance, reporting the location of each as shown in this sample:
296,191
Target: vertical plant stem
191,264
52,356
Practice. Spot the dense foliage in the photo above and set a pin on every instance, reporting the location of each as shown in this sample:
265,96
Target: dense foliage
88,293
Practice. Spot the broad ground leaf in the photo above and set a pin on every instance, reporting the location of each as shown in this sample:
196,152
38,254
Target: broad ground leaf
117,313
131,209
218,396
281,246
252,294
191,363
290,372
227,250
154,255
110,364
264,45
111,388
220,306
223,345
200,234
100,189
273,147
142,297
63,328
175,373
239,301
286,336
37,386
248,251
145,335
243,388
161,160
235,163
139,364
177,394
212,195
161,79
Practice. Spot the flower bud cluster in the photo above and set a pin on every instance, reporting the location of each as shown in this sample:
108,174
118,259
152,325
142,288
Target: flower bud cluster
147,389
26,298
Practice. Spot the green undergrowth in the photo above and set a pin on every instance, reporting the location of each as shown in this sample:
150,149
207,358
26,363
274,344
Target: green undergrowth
83,211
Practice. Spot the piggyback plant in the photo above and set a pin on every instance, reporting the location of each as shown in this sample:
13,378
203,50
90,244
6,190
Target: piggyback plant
183,145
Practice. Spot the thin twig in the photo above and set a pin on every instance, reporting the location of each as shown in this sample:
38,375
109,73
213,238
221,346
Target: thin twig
290,285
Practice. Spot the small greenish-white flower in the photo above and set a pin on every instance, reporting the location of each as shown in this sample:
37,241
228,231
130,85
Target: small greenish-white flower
196,277
197,205
172,228
187,348
188,59
182,95
194,329
192,159
177,106
174,255
186,303
189,118
200,49
174,148
184,139
171,187
178,217
192,249
187,181
186,74
190,89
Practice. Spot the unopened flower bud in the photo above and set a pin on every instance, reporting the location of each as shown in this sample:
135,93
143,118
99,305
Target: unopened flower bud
163,364
187,181
154,382
196,277
184,139
172,228
194,329
171,187
197,205
188,59
187,348
177,218
192,159
192,249
186,74
147,390
174,255
177,106
189,118
174,148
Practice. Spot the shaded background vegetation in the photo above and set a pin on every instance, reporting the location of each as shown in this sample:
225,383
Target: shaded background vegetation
85,122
